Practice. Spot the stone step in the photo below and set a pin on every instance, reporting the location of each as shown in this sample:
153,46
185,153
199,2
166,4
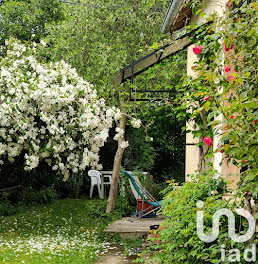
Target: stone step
133,228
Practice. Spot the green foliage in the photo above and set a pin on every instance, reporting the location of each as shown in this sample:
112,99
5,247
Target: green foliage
98,42
231,95
140,155
6,207
28,195
161,139
229,88
179,241
156,147
154,188
130,244
165,75
73,187
26,20
163,120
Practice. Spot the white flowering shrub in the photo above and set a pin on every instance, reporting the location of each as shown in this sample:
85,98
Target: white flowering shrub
136,123
48,112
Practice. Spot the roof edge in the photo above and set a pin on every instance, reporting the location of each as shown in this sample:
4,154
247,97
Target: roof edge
171,15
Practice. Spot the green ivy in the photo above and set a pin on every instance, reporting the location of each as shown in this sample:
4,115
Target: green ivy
179,242
228,89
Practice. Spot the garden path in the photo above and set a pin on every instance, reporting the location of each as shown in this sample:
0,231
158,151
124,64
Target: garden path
114,256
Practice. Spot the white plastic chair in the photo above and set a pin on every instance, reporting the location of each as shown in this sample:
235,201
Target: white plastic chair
106,180
95,177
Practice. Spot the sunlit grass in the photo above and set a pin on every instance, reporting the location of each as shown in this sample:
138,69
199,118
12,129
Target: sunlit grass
66,231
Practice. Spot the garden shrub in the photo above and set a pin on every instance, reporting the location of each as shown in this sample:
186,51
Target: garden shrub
50,113
179,241
75,186
158,145
6,208
28,195
6,205
140,155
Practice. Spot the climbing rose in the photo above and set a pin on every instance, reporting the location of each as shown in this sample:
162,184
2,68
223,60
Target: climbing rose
244,161
254,122
231,78
227,69
228,48
207,141
230,117
206,98
197,49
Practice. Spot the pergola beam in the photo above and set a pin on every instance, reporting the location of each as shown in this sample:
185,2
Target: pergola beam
144,63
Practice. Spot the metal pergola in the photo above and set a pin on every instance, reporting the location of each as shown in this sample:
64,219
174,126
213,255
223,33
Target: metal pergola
141,65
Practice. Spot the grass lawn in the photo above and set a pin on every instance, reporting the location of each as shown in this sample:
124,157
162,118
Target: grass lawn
66,231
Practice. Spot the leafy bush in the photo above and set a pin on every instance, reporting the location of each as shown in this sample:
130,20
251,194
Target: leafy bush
179,241
26,19
28,195
140,155
6,208
72,187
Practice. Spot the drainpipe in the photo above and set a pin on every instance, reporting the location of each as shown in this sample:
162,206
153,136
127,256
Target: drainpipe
172,12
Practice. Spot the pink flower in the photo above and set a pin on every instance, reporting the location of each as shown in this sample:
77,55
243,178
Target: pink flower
197,49
254,122
228,48
207,141
230,117
231,78
228,4
227,69
244,161
206,98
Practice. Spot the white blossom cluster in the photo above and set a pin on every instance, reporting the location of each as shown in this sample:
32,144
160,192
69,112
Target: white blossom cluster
136,123
48,112
119,133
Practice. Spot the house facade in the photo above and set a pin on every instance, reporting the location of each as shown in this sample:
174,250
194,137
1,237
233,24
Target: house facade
179,15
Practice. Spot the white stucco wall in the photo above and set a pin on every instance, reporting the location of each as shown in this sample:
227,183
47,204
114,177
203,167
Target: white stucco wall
192,151
210,6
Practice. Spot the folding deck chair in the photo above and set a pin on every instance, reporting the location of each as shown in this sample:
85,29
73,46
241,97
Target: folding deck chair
146,198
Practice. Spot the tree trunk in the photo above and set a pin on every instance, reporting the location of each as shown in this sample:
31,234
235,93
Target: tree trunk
111,202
